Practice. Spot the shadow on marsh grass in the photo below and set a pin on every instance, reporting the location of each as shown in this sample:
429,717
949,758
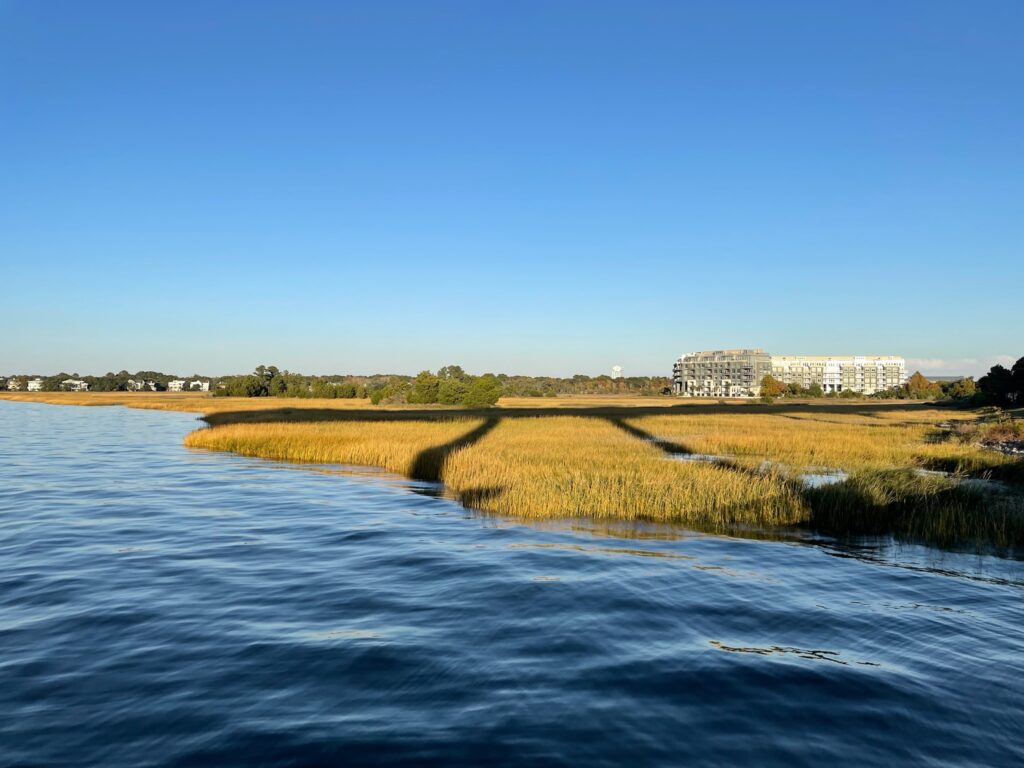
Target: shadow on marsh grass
669,447
276,415
429,464
1011,473
928,508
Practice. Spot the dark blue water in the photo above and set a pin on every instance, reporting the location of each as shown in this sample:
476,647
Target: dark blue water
166,607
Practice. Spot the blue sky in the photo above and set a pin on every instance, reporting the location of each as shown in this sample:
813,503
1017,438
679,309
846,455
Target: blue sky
533,187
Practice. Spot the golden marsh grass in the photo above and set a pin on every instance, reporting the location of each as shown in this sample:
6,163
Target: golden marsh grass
393,445
530,467
587,467
849,442
580,457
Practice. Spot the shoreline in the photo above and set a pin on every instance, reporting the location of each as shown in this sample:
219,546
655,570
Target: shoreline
892,466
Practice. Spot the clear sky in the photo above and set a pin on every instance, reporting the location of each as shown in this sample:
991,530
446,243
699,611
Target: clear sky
520,187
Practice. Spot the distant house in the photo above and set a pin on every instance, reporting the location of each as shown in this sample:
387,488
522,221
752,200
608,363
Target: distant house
71,385
184,385
146,385
13,385
35,385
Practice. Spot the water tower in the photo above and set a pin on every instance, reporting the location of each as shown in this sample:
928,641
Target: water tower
616,371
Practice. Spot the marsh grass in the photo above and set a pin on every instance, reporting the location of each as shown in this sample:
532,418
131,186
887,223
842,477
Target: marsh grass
988,431
394,445
599,461
587,467
887,458
833,441
936,509
618,468
529,467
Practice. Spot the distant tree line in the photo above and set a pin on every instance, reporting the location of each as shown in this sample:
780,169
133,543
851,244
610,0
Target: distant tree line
270,381
919,387
449,385
549,386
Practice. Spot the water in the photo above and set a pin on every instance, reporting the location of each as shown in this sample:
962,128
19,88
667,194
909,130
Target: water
166,607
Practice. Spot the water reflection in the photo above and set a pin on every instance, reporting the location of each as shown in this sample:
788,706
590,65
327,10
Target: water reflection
875,548
601,550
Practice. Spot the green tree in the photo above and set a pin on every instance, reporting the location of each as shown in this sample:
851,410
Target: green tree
1017,381
425,388
482,392
55,383
394,392
322,389
452,391
1003,387
276,386
451,372
961,389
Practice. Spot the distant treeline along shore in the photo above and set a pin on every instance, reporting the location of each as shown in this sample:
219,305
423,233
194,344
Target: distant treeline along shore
451,385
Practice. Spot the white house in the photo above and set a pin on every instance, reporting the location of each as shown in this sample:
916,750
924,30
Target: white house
138,386
184,385
13,385
35,385
73,385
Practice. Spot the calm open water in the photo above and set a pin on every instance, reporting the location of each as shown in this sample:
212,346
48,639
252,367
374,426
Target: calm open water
160,606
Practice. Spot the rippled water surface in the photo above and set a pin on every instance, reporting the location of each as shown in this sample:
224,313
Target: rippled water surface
166,607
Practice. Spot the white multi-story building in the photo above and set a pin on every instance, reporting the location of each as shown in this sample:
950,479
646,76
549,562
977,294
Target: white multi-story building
860,373
739,372
35,385
132,385
175,385
74,385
